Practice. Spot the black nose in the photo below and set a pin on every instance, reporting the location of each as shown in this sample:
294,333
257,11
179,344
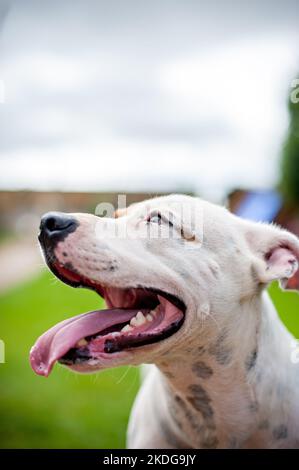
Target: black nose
55,226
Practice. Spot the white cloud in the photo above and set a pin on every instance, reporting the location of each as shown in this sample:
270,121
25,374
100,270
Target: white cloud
148,110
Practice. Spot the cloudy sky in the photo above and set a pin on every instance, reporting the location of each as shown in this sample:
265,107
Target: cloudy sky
145,95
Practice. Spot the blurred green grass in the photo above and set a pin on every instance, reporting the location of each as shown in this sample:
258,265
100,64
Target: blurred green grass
68,410
65,410
287,305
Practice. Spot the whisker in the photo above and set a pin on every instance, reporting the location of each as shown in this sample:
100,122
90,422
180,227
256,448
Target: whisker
124,375
214,320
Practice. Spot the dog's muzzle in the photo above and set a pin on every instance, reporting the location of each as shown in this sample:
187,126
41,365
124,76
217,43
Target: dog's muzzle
136,317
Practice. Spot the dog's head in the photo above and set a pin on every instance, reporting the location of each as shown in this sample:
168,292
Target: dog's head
164,267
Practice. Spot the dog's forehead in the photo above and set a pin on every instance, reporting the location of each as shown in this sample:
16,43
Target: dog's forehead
185,206
172,203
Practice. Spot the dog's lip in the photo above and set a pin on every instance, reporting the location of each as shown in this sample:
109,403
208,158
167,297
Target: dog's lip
56,343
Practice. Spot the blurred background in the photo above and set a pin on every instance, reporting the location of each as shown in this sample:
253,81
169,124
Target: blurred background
106,97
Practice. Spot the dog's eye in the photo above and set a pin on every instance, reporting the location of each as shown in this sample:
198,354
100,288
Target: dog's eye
155,218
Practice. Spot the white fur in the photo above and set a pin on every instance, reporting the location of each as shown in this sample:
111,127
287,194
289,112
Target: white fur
220,271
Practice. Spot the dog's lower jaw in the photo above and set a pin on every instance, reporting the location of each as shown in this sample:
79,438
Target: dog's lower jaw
234,391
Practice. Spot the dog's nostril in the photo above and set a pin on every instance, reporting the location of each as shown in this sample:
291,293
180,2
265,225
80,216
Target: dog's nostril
58,222
51,224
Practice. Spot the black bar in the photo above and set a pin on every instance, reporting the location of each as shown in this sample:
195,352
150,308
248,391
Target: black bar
136,458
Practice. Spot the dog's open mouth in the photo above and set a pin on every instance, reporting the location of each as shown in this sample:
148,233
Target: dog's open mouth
135,317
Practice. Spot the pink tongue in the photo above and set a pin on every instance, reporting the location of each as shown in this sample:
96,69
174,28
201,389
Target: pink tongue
57,341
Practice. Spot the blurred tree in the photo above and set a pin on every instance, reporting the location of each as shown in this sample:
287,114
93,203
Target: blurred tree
290,160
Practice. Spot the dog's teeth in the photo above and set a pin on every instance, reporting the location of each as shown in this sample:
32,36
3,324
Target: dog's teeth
140,318
134,321
115,333
149,317
126,328
82,342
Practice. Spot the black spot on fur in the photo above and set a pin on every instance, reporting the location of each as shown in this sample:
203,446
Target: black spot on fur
64,253
221,352
263,425
253,406
168,374
202,370
204,428
280,432
109,267
251,360
181,405
201,401
201,350
70,267
223,357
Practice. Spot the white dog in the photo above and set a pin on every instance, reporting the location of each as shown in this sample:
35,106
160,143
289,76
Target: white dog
184,281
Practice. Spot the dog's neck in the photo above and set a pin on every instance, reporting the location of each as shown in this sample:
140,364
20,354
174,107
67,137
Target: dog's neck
223,391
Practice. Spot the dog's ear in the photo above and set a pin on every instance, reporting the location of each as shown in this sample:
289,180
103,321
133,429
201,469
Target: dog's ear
276,254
